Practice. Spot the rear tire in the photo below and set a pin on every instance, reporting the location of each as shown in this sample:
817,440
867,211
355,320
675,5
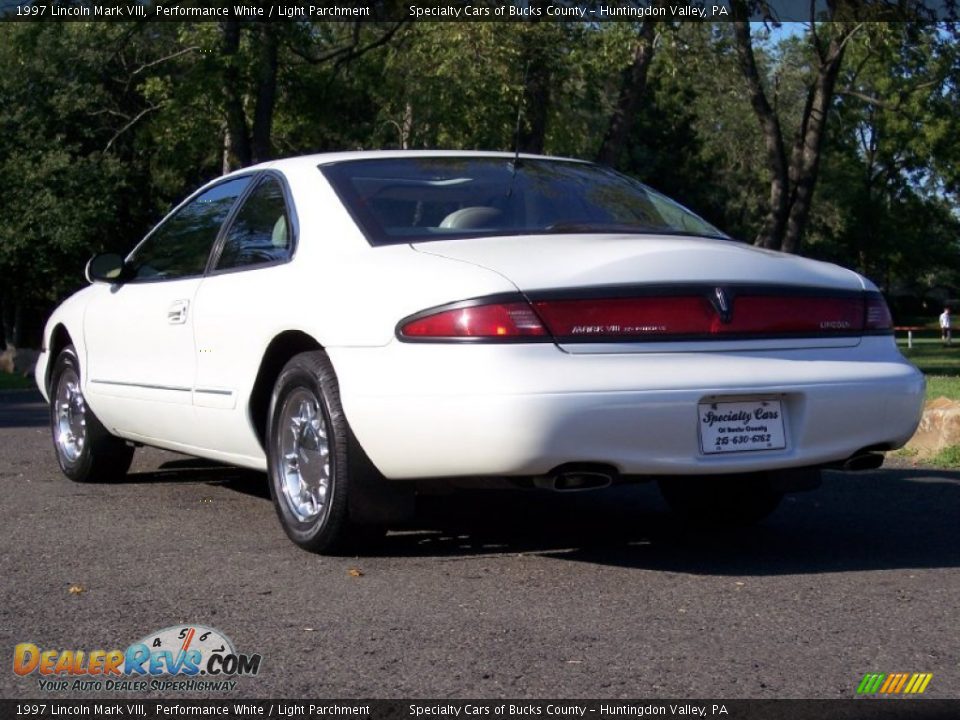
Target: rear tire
85,450
312,461
722,501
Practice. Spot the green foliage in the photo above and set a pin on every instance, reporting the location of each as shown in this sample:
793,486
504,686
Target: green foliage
104,126
947,458
885,203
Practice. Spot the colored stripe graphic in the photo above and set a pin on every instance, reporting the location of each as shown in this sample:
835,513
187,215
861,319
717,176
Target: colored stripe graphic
894,683
870,683
889,683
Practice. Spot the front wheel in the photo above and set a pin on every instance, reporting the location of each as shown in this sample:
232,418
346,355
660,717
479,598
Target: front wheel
85,450
722,501
309,459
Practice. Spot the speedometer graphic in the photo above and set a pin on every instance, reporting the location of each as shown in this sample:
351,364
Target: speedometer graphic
185,648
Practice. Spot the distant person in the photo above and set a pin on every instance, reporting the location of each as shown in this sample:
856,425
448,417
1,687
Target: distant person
945,328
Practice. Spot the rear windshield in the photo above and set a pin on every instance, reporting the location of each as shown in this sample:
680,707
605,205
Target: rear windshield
403,200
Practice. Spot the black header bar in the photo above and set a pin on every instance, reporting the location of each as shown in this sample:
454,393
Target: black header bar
592,11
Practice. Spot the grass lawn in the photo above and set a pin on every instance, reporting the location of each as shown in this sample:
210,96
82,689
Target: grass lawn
943,386
15,381
931,356
940,364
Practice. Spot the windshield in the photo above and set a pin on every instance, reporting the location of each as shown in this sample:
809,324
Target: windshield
403,200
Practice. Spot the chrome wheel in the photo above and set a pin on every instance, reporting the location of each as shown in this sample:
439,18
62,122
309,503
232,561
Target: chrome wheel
71,417
304,455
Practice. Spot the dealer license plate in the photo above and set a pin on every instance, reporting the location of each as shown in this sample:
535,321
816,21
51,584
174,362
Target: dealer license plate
741,426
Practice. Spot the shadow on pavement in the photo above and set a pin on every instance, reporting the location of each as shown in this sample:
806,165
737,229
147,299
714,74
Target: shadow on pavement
873,521
878,520
198,470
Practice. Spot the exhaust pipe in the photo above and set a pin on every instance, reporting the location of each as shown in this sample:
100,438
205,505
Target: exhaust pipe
568,481
864,461
572,478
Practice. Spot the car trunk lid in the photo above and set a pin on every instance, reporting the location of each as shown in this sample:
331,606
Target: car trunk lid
629,293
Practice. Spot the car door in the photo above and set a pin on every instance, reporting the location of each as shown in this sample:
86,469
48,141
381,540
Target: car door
141,354
238,310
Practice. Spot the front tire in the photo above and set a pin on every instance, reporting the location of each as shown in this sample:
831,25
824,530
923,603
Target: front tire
312,466
85,450
721,501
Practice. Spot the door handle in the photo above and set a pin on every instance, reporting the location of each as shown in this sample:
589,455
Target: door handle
177,313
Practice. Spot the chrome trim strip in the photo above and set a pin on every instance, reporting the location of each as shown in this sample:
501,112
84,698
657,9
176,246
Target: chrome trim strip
207,391
141,385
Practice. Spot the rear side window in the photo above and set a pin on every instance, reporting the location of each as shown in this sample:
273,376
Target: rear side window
260,233
180,246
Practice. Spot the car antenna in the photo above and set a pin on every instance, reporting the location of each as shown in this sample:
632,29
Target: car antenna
516,137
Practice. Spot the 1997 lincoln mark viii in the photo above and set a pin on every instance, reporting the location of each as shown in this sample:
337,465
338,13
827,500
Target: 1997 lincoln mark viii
353,322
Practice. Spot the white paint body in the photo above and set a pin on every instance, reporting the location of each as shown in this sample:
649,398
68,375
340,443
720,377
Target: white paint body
424,410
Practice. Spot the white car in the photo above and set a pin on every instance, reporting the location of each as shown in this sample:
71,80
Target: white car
354,322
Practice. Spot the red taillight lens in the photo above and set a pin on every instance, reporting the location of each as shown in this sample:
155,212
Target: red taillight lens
790,315
694,316
627,317
499,320
878,315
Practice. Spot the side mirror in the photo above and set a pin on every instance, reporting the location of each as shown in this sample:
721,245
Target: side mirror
106,267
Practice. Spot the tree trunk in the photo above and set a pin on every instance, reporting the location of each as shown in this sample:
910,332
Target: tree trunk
791,185
805,161
226,164
772,231
238,133
4,334
266,94
12,320
534,135
632,89
536,89
406,127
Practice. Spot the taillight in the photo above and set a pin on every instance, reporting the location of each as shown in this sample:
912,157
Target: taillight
490,321
877,316
693,317
627,317
659,314
797,315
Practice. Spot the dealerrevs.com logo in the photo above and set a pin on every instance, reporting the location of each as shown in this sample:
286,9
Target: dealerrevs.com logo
178,658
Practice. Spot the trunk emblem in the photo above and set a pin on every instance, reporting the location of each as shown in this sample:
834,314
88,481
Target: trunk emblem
721,304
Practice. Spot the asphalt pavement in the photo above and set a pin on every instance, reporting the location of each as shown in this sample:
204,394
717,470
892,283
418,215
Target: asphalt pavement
489,595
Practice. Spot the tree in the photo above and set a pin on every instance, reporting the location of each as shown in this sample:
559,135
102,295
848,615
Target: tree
793,176
632,90
72,102
889,160
251,72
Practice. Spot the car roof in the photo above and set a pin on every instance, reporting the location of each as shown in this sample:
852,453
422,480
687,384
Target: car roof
300,162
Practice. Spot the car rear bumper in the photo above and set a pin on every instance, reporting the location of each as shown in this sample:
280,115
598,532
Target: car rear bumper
517,410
